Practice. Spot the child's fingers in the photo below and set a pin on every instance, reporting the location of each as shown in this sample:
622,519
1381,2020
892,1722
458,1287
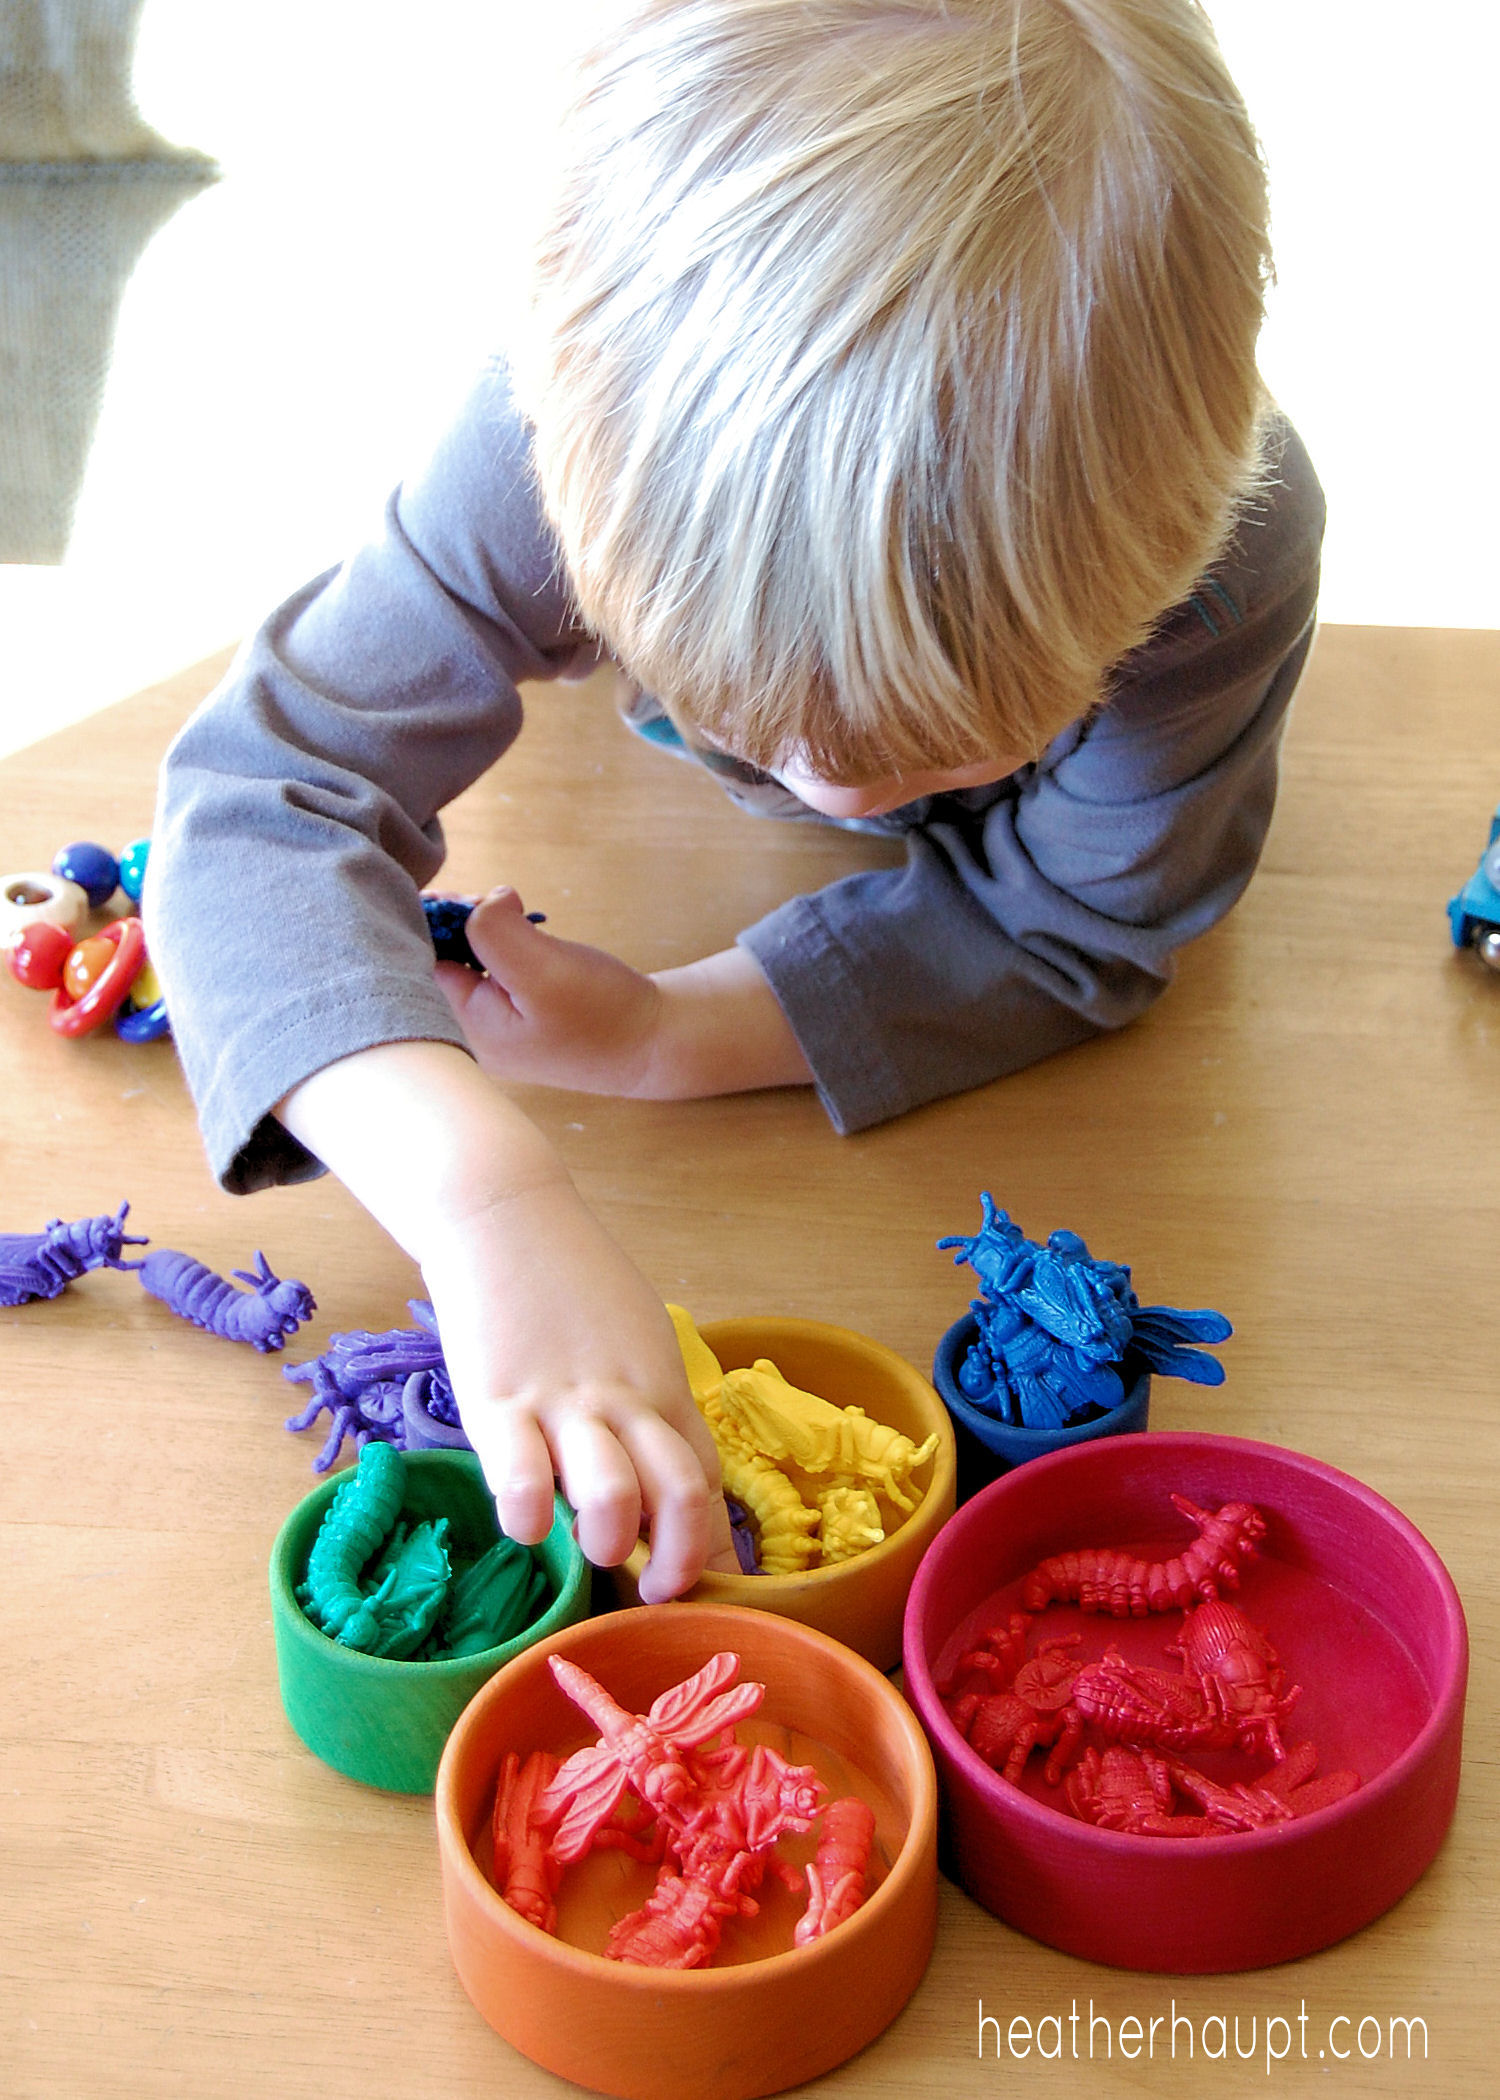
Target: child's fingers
518,1467
480,1005
684,1509
504,939
600,1481
700,1438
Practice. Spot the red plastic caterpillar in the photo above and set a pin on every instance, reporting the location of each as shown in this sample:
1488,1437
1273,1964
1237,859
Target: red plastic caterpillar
1102,1578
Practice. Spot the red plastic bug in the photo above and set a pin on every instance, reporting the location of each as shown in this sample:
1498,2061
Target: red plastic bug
722,1810
1103,1578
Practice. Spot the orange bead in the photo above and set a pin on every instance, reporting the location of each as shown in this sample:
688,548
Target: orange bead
86,965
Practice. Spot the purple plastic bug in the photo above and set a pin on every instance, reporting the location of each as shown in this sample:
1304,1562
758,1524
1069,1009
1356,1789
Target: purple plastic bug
263,1316
43,1264
391,1386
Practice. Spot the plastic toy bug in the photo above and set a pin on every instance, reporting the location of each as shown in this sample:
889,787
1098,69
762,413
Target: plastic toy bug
392,1385
1134,1791
836,1877
392,1612
1029,1708
527,1872
645,1751
1130,1790
1284,1794
779,1420
1133,1703
723,1810
263,1316
43,1264
360,1519
1238,1669
1474,914
1102,1578
1055,1324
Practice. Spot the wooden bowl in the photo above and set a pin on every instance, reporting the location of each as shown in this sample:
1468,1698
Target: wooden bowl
858,1601
1364,1617
988,1447
383,1722
766,2015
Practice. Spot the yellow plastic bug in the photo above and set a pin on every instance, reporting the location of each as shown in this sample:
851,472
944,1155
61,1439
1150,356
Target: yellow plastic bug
784,1422
786,1529
850,1520
760,1422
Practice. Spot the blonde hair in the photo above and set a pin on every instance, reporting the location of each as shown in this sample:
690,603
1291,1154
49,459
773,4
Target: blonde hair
892,362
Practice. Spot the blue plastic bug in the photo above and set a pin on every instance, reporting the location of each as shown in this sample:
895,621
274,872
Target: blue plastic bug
1474,914
1056,1327
43,1264
263,1316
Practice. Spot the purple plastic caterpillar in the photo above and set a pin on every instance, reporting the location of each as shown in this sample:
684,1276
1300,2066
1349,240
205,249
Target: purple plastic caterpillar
263,1316
390,1387
43,1264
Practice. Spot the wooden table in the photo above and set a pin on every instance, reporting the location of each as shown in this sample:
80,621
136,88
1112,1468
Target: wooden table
1305,1133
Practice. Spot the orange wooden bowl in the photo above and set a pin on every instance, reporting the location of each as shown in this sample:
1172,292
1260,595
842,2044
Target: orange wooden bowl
766,2015
860,1601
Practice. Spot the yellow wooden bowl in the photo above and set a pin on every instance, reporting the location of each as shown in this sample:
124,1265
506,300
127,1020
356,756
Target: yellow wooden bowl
860,1601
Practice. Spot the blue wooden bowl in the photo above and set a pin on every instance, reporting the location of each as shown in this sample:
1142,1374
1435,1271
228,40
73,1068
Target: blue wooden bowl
988,1447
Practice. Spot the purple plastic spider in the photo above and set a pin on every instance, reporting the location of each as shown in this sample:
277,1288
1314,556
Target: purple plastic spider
392,1386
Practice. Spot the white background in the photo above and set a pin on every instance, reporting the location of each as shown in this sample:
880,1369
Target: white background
293,339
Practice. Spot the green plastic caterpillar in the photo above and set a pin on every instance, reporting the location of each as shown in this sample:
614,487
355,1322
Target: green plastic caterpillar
389,1589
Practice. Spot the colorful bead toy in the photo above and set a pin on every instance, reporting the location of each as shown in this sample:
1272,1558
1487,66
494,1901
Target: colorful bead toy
93,977
96,978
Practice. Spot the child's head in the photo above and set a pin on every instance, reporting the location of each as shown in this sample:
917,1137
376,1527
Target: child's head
893,365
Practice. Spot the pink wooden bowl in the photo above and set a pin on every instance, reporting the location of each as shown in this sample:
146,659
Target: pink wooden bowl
1365,1617
766,2014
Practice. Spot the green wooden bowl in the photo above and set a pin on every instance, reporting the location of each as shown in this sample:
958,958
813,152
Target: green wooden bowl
383,1722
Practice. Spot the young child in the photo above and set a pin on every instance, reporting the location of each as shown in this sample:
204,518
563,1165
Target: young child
888,411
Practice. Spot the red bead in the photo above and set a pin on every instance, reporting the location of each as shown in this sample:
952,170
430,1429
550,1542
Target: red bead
37,958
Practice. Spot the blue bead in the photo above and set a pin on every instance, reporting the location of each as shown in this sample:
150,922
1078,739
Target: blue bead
96,871
133,868
145,1024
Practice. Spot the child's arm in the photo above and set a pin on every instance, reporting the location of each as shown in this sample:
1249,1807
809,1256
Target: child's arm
1029,917
563,1358
298,819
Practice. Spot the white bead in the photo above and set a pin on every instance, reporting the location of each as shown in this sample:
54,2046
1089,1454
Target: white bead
26,898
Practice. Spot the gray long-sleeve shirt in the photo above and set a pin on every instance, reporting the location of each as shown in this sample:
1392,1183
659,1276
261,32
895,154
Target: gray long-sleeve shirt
1029,915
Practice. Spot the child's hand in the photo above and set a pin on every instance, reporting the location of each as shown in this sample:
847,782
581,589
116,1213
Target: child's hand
562,1014
564,1363
563,1358
549,1010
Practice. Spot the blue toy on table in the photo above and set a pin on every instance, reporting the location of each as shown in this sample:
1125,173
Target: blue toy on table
1055,1325
1474,913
